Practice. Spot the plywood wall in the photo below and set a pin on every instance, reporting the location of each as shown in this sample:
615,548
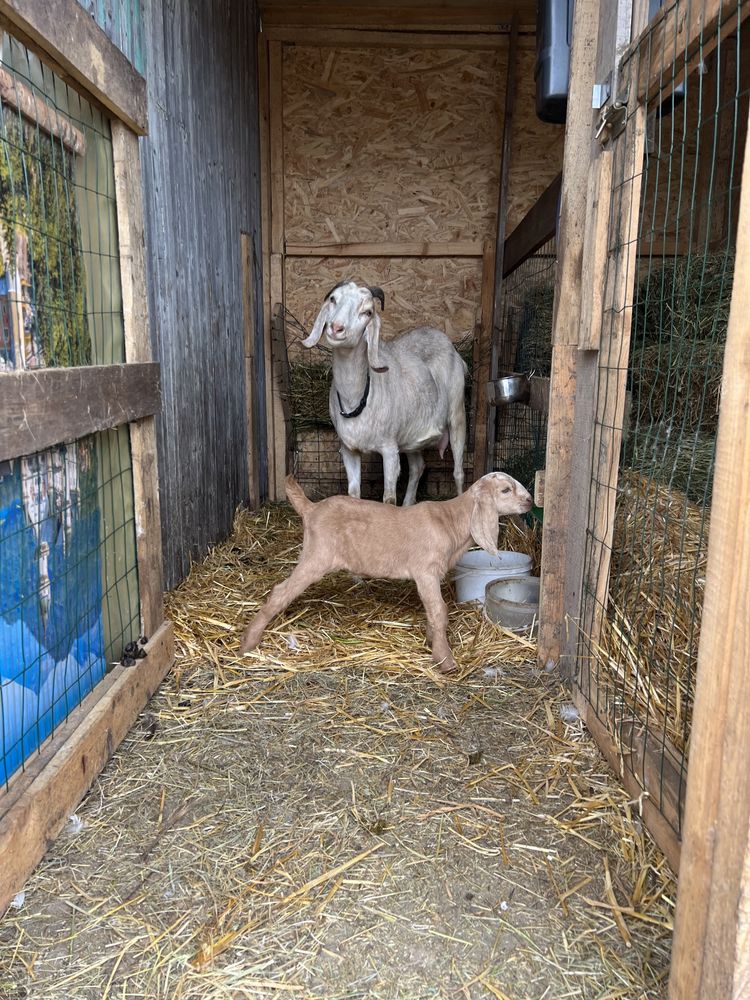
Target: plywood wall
393,145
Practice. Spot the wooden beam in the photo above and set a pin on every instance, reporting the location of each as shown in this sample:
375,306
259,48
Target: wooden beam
710,956
71,43
264,142
539,478
342,38
39,801
276,125
129,198
499,334
536,228
561,445
596,234
282,389
539,388
660,829
33,106
278,444
55,405
467,248
483,447
248,329
613,369
468,17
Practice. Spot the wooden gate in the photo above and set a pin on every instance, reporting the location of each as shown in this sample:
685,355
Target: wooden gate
645,543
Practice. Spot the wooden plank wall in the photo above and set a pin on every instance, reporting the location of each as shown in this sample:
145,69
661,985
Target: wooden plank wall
201,179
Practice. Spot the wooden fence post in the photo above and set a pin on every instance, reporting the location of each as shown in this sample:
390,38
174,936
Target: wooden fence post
566,320
711,953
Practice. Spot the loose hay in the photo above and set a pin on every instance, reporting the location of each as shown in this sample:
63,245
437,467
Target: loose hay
330,818
650,636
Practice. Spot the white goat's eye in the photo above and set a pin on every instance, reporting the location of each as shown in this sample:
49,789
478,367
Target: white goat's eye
367,312
332,300
507,489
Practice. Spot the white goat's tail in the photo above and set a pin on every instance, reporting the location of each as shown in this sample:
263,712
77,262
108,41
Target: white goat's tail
296,496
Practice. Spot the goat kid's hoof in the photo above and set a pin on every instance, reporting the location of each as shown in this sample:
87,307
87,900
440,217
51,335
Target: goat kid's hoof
447,666
248,644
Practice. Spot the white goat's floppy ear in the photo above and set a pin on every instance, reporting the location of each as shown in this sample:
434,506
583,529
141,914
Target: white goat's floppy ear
372,333
318,326
483,523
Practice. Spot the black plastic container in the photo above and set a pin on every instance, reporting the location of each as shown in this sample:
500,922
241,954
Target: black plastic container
554,28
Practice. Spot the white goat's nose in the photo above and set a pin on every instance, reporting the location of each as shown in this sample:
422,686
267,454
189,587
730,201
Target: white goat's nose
337,327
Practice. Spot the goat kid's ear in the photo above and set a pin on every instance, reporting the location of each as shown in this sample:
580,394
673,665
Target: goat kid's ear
318,326
483,524
372,334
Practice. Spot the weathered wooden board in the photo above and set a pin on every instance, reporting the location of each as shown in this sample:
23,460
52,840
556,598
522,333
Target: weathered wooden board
55,405
16,94
201,191
122,22
712,922
535,229
42,797
77,48
462,15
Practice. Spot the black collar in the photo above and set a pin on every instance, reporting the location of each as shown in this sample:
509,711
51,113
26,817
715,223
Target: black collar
362,403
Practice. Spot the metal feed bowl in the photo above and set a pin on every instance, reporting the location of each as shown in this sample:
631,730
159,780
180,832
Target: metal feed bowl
509,389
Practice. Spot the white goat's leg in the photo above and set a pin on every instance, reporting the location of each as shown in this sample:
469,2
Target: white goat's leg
416,468
353,464
391,468
458,442
282,595
437,622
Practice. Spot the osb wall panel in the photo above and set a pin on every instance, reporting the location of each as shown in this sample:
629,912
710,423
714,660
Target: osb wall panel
391,144
394,145
536,147
418,291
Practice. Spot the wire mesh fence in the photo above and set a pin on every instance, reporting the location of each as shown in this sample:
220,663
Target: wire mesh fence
69,599
645,557
525,339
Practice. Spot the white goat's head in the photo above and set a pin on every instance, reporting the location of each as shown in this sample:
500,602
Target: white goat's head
348,313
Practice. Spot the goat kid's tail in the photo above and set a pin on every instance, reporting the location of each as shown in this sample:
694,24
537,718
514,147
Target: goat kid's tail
296,496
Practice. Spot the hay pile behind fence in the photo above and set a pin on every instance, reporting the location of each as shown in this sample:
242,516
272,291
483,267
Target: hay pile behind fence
650,636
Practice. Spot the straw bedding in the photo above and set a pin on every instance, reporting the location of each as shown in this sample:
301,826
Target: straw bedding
329,818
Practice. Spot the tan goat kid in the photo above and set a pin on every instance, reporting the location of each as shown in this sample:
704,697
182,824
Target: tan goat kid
419,543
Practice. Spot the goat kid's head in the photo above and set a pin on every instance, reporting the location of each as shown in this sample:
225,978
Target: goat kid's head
348,313
494,495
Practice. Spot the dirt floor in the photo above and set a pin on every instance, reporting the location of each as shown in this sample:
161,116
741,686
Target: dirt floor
331,819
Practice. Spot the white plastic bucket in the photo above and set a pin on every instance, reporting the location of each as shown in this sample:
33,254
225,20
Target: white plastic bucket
474,570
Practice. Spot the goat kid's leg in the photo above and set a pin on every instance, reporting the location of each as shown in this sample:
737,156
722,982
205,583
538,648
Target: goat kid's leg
416,468
437,622
391,469
353,464
282,595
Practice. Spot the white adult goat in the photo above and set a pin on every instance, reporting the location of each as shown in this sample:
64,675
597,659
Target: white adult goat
414,399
